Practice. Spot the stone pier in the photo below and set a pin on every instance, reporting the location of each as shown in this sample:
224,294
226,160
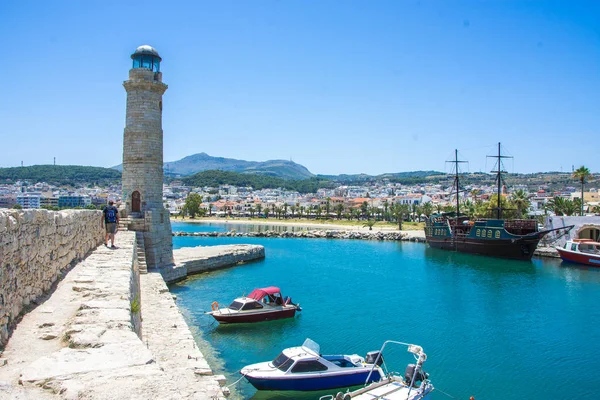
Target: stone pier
106,332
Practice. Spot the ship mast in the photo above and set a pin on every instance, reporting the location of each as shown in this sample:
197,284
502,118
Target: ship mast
499,179
456,162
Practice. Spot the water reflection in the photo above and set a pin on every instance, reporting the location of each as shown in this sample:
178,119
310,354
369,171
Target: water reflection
452,259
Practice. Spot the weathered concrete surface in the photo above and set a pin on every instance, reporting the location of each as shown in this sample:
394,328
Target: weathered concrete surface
208,258
81,343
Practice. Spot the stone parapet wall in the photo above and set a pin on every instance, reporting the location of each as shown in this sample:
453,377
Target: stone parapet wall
36,247
84,341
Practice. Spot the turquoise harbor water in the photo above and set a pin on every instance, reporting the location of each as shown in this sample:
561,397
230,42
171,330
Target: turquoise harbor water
494,329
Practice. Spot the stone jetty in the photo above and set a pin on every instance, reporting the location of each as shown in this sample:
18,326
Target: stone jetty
209,258
80,320
413,236
84,341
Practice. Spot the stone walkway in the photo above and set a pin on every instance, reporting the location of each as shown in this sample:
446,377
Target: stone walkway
80,343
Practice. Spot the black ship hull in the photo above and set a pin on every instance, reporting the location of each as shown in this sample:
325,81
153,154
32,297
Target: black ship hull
519,249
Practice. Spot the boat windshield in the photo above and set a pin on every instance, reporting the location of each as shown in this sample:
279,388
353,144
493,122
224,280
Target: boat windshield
283,362
236,305
589,248
312,345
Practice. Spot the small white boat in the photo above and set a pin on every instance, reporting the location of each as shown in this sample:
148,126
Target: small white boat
263,304
580,251
414,385
304,368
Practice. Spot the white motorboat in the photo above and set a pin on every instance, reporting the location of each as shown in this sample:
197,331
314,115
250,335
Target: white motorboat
414,385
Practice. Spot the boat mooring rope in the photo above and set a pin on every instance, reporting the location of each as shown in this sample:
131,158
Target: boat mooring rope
440,390
242,377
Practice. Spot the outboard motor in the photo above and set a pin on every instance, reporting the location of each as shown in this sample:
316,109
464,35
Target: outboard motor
419,376
374,357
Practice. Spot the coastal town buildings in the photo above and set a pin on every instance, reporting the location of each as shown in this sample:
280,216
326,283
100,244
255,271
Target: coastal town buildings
229,200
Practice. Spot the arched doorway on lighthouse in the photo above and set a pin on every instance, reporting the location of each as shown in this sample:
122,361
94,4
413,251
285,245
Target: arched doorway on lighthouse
135,201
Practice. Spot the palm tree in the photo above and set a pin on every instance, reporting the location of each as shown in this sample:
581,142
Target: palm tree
339,209
363,207
581,174
385,210
370,223
571,207
416,212
469,208
258,208
327,207
520,200
398,211
427,209
557,205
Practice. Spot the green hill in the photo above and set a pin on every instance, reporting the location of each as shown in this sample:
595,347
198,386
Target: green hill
60,174
215,178
203,162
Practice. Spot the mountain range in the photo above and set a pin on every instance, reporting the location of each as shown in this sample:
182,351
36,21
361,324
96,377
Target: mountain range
203,162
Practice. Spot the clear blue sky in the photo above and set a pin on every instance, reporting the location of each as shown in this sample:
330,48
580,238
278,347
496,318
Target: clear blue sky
338,86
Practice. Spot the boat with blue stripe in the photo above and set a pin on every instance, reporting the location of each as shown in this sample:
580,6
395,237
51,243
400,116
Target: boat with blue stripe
304,368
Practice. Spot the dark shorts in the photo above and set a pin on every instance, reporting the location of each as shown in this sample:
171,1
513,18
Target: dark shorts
111,227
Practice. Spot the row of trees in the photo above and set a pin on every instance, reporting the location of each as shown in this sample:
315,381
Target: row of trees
515,206
61,174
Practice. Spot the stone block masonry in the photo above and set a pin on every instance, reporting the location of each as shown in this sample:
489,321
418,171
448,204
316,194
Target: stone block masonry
36,248
83,342
195,260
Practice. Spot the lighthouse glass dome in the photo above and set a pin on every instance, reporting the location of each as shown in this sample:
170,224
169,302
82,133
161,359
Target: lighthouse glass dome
146,57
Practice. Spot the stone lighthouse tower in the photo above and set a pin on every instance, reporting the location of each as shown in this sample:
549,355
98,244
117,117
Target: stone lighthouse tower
142,180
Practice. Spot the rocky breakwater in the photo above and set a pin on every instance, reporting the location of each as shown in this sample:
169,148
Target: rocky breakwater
36,248
415,236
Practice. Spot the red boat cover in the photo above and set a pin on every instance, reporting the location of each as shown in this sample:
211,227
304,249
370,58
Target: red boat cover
258,294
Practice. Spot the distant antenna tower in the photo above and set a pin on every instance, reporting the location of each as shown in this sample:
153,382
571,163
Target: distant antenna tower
54,160
21,163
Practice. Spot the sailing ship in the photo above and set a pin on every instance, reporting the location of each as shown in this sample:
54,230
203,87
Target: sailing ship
514,239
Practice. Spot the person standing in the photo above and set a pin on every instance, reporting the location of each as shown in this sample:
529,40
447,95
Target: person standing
110,216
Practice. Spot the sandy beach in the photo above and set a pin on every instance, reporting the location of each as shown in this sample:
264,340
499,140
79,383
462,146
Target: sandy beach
308,225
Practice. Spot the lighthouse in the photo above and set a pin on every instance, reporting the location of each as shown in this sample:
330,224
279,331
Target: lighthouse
142,179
